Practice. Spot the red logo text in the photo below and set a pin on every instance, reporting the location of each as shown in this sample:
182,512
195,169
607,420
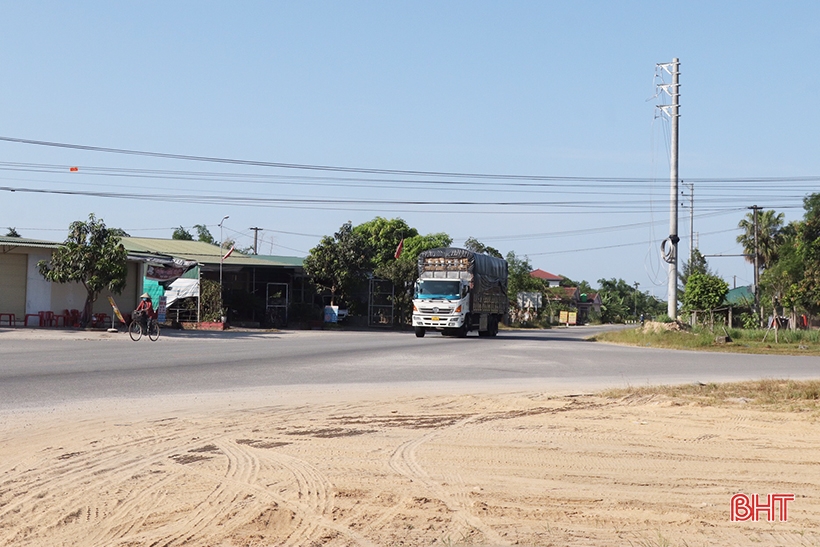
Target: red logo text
775,507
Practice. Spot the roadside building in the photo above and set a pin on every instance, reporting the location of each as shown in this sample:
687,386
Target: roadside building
257,289
27,298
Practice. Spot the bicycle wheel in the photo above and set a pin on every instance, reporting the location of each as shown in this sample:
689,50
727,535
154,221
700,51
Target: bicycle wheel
135,330
153,331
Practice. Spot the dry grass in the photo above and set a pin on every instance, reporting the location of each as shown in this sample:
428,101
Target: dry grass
769,394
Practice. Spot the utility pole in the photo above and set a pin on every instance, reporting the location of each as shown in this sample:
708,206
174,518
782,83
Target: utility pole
636,298
255,239
670,254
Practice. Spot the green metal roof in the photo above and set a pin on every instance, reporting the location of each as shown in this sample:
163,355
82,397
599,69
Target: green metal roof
12,242
741,296
199,251
295,261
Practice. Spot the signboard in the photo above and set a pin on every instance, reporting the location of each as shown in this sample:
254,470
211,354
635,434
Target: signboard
163,273
563,317
573,318
529,300
331,314
162,309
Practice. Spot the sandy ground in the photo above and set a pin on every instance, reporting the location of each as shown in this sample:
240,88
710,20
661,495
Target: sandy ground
357,467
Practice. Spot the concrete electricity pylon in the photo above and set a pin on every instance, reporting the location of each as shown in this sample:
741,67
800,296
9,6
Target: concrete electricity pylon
669,247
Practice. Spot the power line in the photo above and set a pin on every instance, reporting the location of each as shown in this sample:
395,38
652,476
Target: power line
378,171
575,206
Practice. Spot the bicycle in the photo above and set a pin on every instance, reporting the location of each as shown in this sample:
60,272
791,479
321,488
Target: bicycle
136,329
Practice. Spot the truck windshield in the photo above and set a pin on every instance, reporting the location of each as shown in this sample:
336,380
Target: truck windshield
448,290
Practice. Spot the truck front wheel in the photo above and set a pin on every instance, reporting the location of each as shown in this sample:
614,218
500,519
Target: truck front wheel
420,331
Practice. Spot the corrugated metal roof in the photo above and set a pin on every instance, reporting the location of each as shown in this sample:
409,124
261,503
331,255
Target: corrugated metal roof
741,296
204,253
6,241
296,261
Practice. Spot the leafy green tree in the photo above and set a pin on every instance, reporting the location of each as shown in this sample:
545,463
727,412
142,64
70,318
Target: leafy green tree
92,255
415,245
620,300
614,307
583,285
697,264
340,263
779,283
472,244
383,237
13,233
203,234
806,291
402,272
182,234
520,280
119,232
769,226
704,292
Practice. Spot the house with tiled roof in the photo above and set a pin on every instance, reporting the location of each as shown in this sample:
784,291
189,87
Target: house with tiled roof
551,279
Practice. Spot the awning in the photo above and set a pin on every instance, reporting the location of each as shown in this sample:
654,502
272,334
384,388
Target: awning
181,288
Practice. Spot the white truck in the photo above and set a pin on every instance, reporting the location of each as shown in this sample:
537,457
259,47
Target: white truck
459,291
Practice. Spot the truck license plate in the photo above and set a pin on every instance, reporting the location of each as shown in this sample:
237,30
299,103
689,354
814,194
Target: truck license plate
435,318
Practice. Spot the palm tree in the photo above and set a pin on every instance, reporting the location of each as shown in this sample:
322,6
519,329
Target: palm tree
769,236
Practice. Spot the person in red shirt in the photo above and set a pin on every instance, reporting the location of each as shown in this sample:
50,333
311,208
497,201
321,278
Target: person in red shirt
145,309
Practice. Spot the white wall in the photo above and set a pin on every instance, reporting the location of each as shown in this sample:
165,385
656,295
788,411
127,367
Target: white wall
38,290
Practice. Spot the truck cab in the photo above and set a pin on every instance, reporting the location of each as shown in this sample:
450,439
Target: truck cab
440,304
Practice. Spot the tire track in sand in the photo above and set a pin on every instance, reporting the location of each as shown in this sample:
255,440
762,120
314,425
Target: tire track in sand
404,461
54,502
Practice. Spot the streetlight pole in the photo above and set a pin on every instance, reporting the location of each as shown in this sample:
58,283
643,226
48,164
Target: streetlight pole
226,217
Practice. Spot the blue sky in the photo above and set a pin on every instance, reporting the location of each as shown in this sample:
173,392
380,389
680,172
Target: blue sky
545,89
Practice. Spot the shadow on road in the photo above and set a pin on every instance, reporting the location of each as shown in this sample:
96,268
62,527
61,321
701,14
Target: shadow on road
224,334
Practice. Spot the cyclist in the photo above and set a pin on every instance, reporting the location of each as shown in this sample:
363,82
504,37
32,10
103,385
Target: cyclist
145,311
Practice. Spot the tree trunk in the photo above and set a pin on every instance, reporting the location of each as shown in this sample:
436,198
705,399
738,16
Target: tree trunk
88,309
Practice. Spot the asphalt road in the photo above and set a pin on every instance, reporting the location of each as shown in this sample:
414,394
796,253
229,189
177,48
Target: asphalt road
57,370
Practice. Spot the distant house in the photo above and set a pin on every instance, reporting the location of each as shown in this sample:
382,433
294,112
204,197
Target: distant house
583,303
588,303
551,279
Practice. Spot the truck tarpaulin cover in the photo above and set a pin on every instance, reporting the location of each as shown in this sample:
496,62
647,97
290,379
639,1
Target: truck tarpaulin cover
489,273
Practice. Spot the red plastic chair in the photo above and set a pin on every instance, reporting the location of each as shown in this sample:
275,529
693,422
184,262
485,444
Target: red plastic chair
37,315
47,319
